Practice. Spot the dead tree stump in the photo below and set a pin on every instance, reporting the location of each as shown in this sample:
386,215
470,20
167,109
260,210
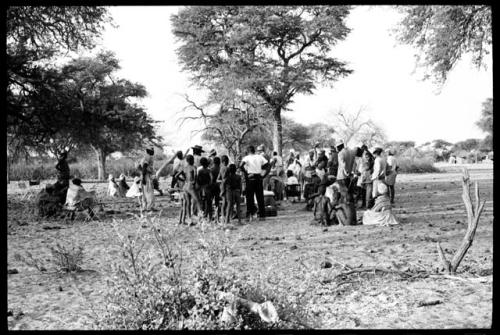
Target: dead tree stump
473,214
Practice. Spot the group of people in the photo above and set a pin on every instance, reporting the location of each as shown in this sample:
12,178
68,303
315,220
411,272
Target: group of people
335,185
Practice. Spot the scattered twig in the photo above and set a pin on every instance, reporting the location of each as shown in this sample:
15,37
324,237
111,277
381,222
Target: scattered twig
429,303
374,269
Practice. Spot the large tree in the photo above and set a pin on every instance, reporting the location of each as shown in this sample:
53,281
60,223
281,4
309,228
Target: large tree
443,34
275,52
103,114
34,35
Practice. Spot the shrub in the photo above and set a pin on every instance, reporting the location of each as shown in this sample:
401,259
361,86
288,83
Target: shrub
84,169
416,165
64,258
152,287
67,259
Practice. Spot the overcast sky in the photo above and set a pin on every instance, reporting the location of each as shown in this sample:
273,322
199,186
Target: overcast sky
383,80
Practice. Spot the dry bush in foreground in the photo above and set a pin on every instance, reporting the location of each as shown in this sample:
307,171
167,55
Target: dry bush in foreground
66,257
155,287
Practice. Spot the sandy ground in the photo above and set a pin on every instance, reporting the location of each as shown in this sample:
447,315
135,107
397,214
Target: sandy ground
288,250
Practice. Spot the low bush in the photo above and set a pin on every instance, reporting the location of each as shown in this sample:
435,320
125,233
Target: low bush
416,165
83,169
153,287
66,257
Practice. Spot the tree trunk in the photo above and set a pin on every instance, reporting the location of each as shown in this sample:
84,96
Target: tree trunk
473,215
101,163
277,132
237,155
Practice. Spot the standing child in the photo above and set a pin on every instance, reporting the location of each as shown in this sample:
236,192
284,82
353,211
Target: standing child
189,185
204,182
232,193
322,208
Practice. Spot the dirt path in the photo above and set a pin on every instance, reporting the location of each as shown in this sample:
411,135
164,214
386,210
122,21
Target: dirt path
288,251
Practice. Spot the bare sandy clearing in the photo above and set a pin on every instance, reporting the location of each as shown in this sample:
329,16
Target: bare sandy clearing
287,251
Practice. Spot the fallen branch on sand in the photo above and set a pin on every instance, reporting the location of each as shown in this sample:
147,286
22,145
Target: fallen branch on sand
473,214
375,269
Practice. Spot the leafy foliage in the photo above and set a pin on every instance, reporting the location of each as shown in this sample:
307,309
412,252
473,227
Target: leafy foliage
274,52
36,34
445,33
486,121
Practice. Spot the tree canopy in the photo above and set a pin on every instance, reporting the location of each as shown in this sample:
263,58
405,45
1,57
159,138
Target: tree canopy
443,34
34,35
275,52
486,120
101,112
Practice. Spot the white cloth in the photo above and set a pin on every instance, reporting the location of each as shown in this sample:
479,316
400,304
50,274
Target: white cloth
253,163
320,173
292,181
379,167
113,189
295,167
134,190
382,218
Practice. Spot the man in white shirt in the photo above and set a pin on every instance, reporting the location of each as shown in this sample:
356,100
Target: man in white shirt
253,164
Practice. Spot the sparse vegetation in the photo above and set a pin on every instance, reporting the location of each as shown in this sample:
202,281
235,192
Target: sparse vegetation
154,288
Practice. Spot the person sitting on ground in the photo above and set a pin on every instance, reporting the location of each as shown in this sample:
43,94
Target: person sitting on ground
322,208
78,198
135,191
345,210
123,186
291,179
311,190
334,195
232,194
381,212
113,188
